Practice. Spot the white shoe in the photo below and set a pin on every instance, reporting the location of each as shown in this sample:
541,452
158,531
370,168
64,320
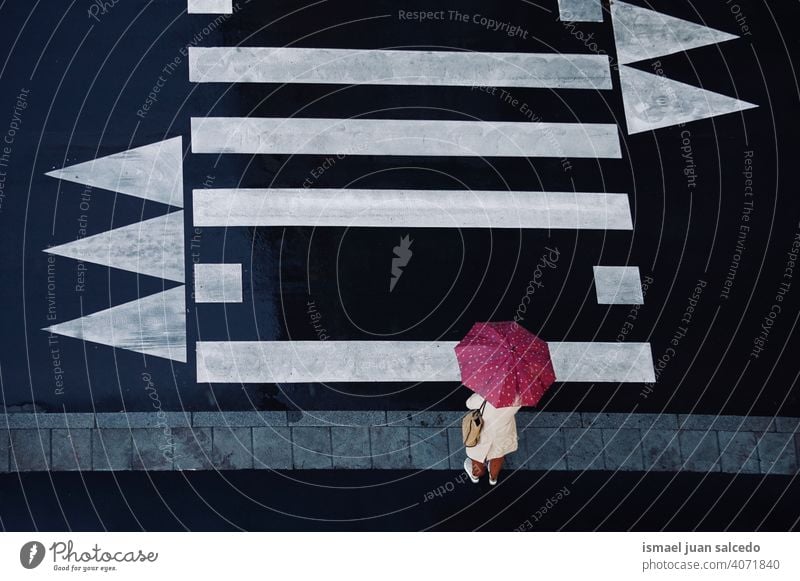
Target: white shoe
492,482
468,470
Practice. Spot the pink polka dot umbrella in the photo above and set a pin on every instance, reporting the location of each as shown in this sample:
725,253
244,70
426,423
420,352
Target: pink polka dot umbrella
505,363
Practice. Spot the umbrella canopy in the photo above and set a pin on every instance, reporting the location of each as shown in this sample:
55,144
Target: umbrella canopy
505,363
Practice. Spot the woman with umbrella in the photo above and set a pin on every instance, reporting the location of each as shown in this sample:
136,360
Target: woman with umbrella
507,367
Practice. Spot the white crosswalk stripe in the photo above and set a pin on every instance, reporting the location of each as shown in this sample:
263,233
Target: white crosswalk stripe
413,137
410,208
398,67
362,361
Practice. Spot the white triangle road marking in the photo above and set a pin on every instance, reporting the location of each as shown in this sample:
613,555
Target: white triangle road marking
152,172
654,101
154,325
153,247
641,34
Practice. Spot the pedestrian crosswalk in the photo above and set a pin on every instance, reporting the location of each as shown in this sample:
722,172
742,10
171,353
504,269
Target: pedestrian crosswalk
155,324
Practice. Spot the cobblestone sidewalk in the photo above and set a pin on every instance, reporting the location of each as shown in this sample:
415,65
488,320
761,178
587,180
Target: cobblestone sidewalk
391,440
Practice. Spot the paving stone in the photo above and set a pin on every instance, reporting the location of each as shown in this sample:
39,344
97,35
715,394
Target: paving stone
4,453
424,419
111,449
757,424
777,453
30,450
390,447
192,448
239,419
152,448
22,420
351,447
584,449
232,448
516,460
783,424
654,422
704,422
339,418
797,449
144,420
71,449
630,421
49,420
699,450
272,448
738,452
312,448
429,449
456,448
661,450
623,449
726,423
548,420
543,449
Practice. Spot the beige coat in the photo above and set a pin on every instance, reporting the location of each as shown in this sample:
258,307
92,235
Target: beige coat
499,432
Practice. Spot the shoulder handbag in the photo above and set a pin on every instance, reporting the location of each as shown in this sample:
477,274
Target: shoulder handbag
471,426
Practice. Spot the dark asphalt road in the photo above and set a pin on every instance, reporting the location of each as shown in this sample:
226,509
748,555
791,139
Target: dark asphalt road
393,501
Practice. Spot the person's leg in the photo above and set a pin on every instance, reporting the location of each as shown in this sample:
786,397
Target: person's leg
495,464
478,469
